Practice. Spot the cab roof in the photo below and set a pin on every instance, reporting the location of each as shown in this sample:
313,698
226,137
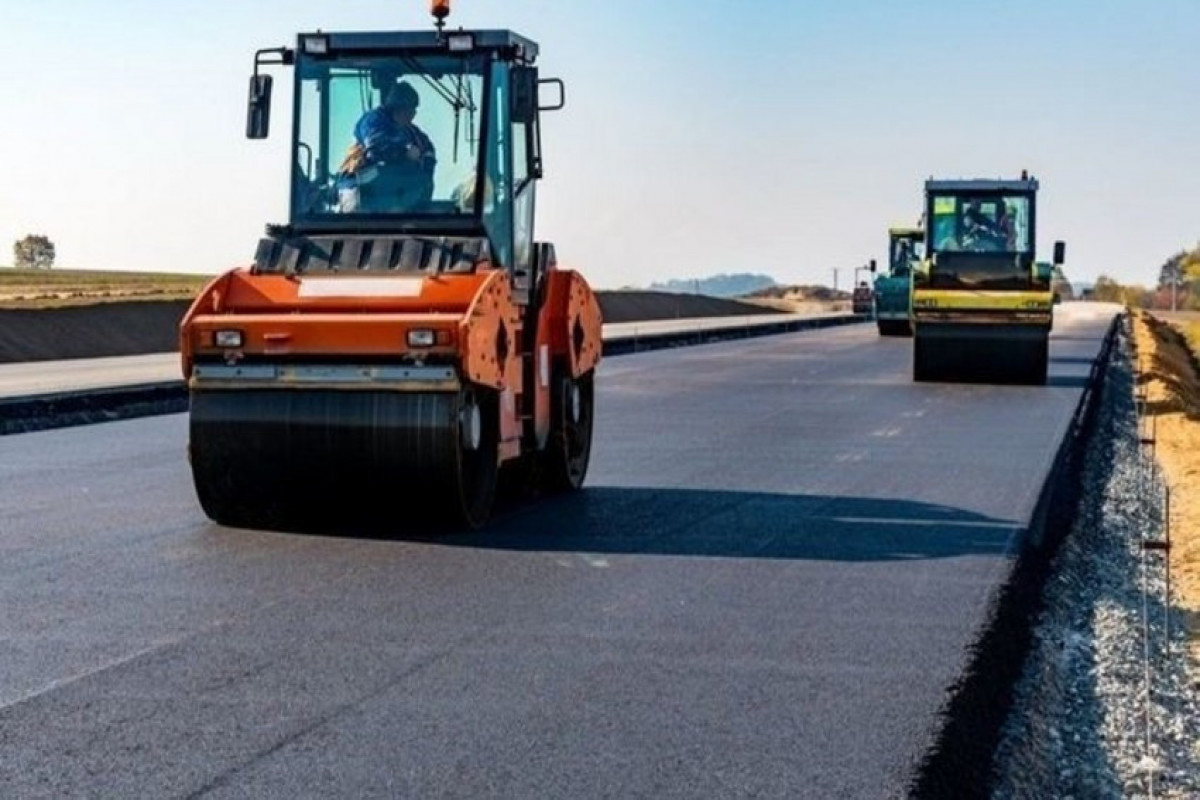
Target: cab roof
981,185
492,40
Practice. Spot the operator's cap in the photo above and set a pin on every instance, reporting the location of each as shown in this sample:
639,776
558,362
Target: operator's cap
402,95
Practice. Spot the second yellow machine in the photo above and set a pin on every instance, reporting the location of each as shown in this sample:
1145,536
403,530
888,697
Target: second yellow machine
982,304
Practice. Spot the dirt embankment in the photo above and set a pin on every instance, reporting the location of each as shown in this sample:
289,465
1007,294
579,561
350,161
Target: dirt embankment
802,299
637,306
1171,380
128,328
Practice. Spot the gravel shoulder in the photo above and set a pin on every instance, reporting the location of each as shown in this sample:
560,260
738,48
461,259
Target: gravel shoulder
1109,703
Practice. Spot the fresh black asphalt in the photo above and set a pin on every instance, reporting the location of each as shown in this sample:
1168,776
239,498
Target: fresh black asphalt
767,589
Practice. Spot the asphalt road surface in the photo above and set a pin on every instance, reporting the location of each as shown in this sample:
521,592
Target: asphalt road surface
783,552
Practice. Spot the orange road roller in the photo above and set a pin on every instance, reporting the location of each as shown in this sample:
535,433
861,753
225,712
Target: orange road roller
402,346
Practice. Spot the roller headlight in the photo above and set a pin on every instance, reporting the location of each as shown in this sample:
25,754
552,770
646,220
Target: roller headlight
228,338
421,337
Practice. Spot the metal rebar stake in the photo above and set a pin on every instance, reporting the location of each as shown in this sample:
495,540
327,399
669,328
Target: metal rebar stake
1167,567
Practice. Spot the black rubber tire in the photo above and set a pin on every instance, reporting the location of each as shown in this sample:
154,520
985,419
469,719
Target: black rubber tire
569,447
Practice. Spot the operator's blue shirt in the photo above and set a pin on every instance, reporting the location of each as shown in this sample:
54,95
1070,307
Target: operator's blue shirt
386,141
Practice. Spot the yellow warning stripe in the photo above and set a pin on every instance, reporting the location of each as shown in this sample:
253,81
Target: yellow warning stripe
977,300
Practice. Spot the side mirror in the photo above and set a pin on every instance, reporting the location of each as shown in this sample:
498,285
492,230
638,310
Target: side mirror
545,257
871,266
524,95
1057,298
1060,253
556,83
258,108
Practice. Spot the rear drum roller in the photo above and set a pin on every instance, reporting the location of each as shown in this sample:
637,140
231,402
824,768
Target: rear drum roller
922,360
477,471
1009,361
569,447
1039,362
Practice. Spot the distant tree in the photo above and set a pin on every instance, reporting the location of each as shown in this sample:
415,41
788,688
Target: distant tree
1179,280
1171,272
1136,296
33,252
1189,268
1107,290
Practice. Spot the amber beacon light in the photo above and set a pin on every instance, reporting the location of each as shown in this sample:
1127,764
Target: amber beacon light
440,10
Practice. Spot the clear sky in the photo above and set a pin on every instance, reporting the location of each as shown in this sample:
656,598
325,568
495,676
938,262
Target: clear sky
779,136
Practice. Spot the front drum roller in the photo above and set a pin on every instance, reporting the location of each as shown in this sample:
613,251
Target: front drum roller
925,366
395,460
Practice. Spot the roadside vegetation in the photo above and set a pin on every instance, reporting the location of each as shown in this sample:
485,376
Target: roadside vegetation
1168,352
1178,286
54,288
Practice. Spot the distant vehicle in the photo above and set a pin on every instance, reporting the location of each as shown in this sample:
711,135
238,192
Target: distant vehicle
862,300
893,289
982,304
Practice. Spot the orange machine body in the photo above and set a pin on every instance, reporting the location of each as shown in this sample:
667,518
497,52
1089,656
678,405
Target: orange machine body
468,321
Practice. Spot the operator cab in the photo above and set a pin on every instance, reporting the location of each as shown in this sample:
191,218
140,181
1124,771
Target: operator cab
427,136
982,235
905,245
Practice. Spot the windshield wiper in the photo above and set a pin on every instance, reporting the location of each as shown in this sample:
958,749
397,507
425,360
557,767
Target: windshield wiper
443,91
453,97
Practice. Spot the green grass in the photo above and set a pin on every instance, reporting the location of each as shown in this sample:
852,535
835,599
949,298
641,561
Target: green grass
36,288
